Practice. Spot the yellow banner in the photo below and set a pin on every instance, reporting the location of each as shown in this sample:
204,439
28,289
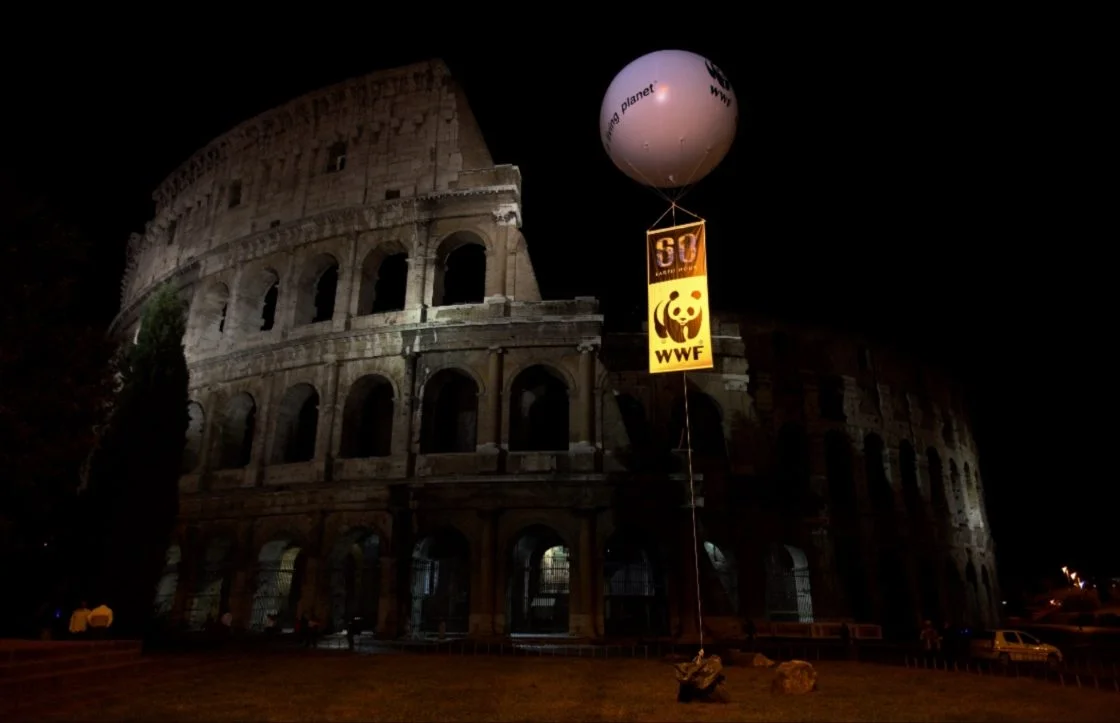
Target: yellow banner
680,332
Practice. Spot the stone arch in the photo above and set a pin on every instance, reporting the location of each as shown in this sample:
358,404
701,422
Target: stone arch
788,592
908,471
792,471
367,418
634,421
719,564
257,299
706,421
449,420
208,317
878,484
316,289
635,597
214,581
238,424
988,607
539,582
460,273
441,584
354,575
192,447
383,280
279,581
297,425
958,493
539,404
169,583
937,497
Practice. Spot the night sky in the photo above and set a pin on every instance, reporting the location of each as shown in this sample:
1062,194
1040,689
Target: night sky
937,191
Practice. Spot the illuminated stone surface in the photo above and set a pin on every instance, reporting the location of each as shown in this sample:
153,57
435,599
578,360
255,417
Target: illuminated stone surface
321,459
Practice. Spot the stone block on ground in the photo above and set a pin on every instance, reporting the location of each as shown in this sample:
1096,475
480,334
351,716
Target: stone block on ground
701,680
794,677
758,660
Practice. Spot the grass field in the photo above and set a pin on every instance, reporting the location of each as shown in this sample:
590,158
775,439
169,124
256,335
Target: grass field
325,686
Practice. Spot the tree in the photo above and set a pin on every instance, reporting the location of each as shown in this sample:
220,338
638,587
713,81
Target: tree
55,383
133,496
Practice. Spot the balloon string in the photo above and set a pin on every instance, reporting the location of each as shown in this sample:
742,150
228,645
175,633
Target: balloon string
673,208
686,186
650,184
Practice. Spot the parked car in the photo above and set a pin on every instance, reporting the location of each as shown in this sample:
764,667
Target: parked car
1006,646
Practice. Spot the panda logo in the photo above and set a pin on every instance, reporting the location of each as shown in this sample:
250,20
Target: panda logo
675,318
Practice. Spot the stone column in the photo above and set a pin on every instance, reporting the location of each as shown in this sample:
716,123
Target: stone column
190,559
328,412
242,579
585,428
490,435
497,256
262,432
583,608
403,433
483,603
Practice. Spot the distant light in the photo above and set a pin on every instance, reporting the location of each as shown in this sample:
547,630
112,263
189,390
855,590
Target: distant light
1003,602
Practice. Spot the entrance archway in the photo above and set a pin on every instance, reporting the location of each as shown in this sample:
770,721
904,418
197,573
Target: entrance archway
539,583
441,584
279,579
355,579
635,603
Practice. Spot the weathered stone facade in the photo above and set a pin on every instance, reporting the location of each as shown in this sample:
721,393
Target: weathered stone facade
389,421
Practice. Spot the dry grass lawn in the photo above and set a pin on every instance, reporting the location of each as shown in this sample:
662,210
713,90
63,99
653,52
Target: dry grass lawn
344,687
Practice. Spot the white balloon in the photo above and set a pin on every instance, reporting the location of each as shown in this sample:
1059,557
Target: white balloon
668,118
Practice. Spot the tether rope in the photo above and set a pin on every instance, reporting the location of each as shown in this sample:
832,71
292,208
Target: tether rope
692,507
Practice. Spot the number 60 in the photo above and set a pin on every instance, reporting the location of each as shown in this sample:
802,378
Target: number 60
683,249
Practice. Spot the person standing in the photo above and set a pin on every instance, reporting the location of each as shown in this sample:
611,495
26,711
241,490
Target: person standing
79,620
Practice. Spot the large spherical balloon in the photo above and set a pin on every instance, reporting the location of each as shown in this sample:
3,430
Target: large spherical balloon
669,118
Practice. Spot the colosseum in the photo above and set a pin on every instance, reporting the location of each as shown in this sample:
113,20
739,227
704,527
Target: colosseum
389,421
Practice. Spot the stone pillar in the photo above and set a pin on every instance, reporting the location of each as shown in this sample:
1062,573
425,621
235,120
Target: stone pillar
263,431
328,412
497,255
242,579
388,621
583,608
483,602
406,432
585,427
416,293
490,433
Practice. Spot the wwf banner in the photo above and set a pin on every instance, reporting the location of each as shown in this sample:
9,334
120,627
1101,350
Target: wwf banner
680,333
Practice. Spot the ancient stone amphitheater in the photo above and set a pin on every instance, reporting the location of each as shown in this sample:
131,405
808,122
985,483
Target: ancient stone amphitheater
389,421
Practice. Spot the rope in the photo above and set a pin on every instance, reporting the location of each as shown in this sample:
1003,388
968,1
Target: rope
695,537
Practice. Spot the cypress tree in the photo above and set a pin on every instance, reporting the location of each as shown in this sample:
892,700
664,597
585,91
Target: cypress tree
134,473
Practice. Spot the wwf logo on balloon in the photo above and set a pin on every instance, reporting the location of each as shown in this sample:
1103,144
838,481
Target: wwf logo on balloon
717,75
679,319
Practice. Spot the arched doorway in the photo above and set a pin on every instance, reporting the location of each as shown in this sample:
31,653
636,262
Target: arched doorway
788,593
539,583
441,584
355,579
279,579
635,603
211,594
169,583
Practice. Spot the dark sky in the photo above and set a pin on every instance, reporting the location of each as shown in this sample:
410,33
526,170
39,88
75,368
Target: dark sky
936,189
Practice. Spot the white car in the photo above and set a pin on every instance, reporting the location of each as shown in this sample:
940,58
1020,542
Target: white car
1013,645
